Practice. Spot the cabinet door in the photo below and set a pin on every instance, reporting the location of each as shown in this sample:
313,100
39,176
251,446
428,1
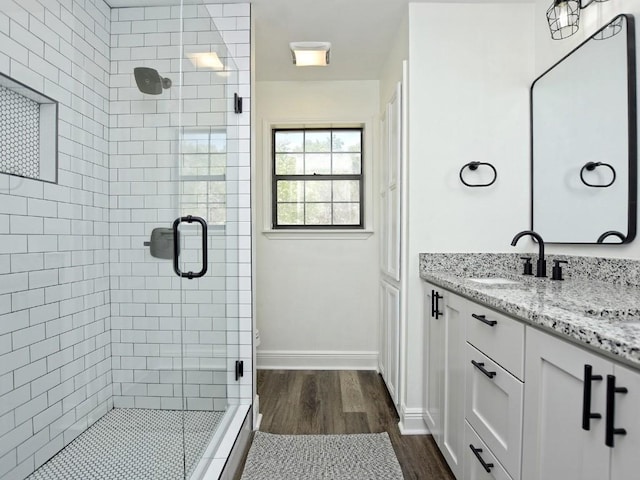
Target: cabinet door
390,186
494,408
625,454
453,384
554,444
433,363
382,355
389,346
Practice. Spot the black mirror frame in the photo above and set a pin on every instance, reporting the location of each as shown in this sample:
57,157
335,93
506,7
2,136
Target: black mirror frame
632,130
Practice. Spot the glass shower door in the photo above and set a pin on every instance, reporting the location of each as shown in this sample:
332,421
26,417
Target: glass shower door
176,324
207,236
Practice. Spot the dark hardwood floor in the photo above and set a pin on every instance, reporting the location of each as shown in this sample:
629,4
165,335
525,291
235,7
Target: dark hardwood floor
338,402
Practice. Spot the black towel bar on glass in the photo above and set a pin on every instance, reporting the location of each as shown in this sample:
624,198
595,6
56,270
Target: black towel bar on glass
474,166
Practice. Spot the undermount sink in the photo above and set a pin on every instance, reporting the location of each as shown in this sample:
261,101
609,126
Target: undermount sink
495,281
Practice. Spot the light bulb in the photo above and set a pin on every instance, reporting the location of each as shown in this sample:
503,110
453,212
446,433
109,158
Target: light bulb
562,14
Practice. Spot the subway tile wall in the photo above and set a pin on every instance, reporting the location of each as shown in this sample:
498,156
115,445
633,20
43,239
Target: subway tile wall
183,152
55,353
88,319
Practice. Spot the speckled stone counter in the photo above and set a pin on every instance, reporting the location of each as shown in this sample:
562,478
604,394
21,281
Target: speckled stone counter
597,305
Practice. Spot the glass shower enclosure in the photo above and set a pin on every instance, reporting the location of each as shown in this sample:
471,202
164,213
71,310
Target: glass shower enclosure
132,356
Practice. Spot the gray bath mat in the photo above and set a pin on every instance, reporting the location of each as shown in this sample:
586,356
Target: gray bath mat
314,457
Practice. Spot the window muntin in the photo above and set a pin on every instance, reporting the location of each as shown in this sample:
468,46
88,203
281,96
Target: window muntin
203,169
317,178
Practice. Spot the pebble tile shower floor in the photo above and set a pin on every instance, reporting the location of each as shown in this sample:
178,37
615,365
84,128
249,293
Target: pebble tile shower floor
132,443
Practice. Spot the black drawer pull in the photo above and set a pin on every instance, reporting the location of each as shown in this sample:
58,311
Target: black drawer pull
483,319
480,366
477,451
610,429
586,397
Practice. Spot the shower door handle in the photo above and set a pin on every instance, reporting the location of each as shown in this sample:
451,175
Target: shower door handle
176,247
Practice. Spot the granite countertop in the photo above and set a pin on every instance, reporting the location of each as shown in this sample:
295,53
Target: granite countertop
596,313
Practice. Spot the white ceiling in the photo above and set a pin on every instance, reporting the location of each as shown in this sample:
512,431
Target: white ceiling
361,33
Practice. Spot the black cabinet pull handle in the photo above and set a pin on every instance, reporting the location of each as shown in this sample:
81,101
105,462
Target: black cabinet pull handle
586,397
433,303
176,247
483,319
480,366
477,451
437,311
610,429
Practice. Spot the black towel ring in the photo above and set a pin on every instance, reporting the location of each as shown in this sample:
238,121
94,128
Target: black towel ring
474,166
591,166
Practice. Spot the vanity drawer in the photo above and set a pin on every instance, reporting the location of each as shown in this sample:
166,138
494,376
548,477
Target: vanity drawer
494,408
497,336
473,467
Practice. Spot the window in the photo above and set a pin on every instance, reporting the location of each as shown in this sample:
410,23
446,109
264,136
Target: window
317,178
203,174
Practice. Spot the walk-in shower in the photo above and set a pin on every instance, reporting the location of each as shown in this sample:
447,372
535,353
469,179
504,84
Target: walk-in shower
125,286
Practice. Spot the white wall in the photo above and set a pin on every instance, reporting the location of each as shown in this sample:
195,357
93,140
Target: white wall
470,67
392,69
548,52
316,298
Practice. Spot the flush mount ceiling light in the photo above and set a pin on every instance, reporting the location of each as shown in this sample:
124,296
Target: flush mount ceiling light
564,16
310,54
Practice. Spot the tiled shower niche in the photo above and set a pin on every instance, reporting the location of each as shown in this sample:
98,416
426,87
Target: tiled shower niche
28,132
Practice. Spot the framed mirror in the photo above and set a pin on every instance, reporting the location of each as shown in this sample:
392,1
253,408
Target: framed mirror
584,141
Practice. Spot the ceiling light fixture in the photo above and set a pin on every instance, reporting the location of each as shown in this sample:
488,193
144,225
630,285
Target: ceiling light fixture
564,16
310,54
206,60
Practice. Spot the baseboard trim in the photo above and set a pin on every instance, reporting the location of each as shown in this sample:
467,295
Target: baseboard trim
411,422
315,360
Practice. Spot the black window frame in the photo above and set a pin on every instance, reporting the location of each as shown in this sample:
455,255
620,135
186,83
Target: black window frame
316,177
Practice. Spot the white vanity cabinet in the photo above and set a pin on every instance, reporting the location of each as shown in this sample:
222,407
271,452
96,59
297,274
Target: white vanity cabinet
494,391
508,401
567,386
444,373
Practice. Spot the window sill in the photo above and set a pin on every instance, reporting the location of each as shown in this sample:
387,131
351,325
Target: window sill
355,234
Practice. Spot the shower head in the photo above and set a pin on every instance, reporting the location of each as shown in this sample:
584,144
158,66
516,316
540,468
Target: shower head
149,80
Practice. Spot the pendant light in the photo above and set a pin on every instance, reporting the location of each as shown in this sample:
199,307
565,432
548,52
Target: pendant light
564,17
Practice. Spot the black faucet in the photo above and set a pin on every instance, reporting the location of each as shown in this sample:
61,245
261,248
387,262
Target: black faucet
541,264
